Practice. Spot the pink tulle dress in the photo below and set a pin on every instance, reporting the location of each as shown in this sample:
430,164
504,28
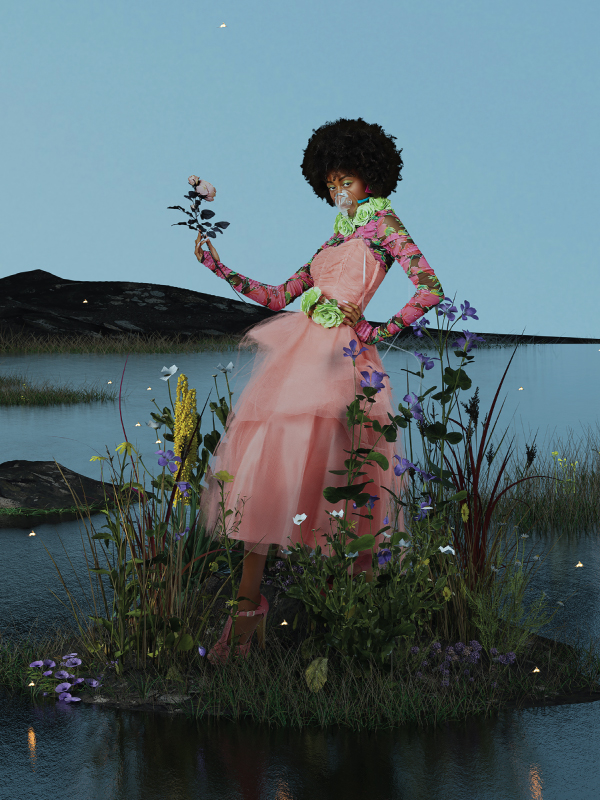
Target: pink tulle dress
288,428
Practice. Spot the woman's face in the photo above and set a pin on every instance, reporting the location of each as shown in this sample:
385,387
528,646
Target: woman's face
346,180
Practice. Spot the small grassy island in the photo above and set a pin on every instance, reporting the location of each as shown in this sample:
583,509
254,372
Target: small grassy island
444,630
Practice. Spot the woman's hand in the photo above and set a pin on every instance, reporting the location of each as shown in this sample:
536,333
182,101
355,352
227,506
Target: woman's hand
352,312
199,251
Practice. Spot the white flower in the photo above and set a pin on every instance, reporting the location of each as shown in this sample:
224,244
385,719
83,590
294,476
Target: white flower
559,603
339,513
299,518
535,558
447,549
402,543
493,569
228,368
517,563
524,536
352,555
154,425
286,552
168,372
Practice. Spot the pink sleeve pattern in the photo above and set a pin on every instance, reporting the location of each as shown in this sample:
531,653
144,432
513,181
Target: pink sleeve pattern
389,241
273,297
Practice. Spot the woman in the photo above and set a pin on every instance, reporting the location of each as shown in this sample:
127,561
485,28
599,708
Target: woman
288,428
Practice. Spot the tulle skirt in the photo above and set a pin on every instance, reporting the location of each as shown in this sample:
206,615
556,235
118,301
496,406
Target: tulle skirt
288,429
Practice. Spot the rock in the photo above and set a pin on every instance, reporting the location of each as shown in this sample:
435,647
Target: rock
39,302
40,485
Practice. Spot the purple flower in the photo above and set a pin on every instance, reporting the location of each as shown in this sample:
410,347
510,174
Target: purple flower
424,507
351,350
183,486
424,663
466,671
372,500
61,674
471,680
386,520
374,381
446,309
47,673
67,698
402,465
493,651
166,457
475,645
179,536
414,406
383,556
35,664
445,683
436,646
62,687
91,682
425,360
414,650
72,662
77,681
202,651
467,340
494,684
468,311
417,326
459,647
419,674
49,663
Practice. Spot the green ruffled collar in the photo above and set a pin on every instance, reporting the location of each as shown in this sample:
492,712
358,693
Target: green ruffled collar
364,213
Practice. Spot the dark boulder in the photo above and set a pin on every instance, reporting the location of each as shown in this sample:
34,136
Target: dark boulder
39,485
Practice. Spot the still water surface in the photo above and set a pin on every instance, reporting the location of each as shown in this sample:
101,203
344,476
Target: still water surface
95,753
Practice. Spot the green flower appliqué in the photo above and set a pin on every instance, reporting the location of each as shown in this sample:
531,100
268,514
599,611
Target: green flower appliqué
365,212
328,314
309,298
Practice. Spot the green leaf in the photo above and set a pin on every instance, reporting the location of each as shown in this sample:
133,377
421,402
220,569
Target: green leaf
334,494
364,542
379,458
316,674
185,642
455,377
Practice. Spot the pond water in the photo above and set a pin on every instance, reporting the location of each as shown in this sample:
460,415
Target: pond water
90,752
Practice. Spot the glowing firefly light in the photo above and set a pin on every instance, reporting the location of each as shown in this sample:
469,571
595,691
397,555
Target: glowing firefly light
32,533
284,622
149,389
85,301
31,684
110,381
536,670
222,26
137,424
158,441
579,564
520,388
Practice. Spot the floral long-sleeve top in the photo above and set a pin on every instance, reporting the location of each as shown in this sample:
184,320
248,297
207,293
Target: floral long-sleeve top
389,241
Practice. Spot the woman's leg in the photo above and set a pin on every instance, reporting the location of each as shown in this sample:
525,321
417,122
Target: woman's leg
252,574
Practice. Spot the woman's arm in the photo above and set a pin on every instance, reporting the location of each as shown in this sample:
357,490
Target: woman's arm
391,237
273,297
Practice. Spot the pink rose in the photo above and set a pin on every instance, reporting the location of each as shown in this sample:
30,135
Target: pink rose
193,180
207,190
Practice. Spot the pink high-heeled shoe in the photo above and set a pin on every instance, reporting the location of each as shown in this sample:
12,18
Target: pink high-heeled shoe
220,651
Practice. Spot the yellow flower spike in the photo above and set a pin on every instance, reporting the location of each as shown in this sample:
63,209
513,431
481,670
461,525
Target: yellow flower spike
464,512
98,458
186,416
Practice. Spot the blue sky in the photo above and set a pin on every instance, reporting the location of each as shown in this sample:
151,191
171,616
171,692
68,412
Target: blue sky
108,108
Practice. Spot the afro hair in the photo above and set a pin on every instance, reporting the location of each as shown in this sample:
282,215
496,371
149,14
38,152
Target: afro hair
357,146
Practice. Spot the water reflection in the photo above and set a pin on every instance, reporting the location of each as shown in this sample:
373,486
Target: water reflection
96,754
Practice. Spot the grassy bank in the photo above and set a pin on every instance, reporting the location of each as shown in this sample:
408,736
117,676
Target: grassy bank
32,344
269,687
